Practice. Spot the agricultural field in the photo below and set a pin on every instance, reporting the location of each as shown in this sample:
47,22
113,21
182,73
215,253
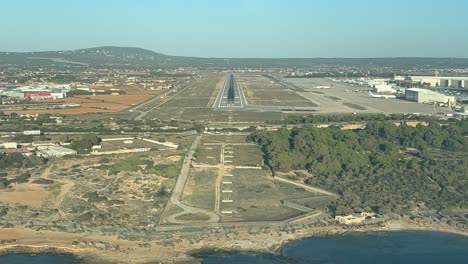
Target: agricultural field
100,103
261,91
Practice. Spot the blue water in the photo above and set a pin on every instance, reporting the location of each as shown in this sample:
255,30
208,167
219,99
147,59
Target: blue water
382,248
36,259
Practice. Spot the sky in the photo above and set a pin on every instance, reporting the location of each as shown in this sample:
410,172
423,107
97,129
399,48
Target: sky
242,28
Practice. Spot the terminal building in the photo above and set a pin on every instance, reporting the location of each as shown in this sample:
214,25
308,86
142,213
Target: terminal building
427,96
440,81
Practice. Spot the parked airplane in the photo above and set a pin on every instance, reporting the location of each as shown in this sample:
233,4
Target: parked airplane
324,87
384,96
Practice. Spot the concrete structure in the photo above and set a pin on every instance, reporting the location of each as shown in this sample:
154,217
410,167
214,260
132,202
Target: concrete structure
427,96
32,132
353,218
56,152
21,151
9,145
58,95
440,81
383,88
43,145
39,92
121,151
37,96
374,82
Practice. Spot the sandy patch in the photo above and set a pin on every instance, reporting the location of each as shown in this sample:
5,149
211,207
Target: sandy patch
25,194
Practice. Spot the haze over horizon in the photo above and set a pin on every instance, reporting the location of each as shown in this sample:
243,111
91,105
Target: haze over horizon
241,29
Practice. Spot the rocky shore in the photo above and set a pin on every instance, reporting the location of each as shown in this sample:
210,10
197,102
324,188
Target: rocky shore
186,247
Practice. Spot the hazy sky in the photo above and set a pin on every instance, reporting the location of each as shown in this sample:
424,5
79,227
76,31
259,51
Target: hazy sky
244,28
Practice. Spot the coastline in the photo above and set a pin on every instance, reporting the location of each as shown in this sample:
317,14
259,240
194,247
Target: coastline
185,251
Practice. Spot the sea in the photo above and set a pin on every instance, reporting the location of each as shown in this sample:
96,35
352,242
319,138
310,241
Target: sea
384,248
374,248
37,259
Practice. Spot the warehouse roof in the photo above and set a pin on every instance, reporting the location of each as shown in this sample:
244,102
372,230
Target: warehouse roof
440,77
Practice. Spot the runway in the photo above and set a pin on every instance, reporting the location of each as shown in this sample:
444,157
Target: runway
231,95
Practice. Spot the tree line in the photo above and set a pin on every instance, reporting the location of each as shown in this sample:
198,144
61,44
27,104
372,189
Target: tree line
384,167
16,160
314,119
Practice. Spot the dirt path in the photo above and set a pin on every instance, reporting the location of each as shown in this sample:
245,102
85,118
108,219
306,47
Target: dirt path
67,185
46,172
65,189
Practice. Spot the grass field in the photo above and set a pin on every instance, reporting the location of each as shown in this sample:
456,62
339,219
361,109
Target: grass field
257,197
200,188
165,113
200,94
247,156
264,92
208,155
197,217
223,138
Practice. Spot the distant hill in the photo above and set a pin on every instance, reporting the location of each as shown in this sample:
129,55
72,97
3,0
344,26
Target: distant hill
110,56
94,56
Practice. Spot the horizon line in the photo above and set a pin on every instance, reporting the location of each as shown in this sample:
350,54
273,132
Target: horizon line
186,56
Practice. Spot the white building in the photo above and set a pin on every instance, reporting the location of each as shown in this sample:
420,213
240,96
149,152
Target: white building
56,151
32,132
58,95
427,96
372,82
441,81
383,88
9,145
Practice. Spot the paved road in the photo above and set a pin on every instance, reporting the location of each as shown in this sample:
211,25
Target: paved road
176,193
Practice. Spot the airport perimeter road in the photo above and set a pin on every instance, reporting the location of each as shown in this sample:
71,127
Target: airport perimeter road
182,179
179,186
231,96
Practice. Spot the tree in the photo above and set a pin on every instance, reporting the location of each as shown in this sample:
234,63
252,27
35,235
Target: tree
368,166
85,143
